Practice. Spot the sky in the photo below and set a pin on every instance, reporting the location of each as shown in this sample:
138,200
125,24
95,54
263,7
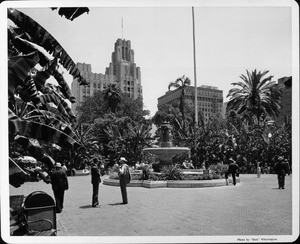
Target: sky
229,40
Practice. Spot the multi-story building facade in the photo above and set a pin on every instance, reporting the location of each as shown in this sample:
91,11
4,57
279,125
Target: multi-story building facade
224,112
209,99
122,71
286,99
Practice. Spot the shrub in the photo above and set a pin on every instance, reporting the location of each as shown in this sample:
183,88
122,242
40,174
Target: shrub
172,172
154,177
218,168
114,176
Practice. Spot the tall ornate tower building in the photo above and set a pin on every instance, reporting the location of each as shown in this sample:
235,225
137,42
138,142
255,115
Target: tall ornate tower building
123,68
121,71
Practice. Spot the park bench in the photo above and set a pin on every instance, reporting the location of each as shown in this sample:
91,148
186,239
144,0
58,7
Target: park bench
36,216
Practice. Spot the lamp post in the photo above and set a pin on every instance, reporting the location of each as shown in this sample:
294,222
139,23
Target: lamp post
269,141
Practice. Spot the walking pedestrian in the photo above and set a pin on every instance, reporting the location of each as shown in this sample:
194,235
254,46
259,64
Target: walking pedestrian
281,169
95,180
258,170
124,178
59,183
233,169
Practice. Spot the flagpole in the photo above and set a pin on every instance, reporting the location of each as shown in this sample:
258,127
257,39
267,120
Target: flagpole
195,76
122,27
196,93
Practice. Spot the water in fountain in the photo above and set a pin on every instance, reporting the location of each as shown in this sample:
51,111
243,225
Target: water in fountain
166,151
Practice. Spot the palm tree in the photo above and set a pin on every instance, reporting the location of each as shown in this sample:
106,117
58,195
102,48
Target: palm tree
257,95
181,83
112,97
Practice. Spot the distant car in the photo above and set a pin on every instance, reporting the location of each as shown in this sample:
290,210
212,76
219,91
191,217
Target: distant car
82,172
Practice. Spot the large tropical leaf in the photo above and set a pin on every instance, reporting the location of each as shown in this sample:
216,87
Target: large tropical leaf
43,38
17,176
52,120
18,69
40,131
34,148
71,13
49,66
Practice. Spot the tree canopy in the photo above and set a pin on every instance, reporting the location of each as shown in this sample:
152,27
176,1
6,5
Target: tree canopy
255,95
97,106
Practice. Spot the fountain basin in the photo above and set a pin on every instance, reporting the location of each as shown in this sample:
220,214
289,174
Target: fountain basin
166,153
172,183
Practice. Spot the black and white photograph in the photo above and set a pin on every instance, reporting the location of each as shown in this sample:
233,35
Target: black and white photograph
149,121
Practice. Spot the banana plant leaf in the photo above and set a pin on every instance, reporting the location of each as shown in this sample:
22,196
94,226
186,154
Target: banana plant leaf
18,69
62,106
49,66
43,38
26,160
53,120
17,176
34,149
71,13
40,131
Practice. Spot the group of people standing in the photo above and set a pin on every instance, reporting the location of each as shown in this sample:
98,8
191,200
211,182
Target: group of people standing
124,179
60,184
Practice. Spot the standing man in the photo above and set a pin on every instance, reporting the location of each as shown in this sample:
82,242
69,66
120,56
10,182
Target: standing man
95,173
233,169
59,183
124,178
281,169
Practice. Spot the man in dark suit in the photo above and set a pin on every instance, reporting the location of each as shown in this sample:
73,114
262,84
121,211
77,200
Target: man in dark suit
95,173
59,183
233,169
281,169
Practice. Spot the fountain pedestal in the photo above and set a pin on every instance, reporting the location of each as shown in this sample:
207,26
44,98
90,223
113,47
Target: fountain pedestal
166,151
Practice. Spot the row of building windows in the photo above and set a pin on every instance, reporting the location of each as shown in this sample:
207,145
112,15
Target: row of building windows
211,110
208,99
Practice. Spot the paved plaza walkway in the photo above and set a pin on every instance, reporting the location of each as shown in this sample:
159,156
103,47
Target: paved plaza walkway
255,206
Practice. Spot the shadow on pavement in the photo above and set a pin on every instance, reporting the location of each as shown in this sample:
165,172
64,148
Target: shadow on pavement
86,206
115,204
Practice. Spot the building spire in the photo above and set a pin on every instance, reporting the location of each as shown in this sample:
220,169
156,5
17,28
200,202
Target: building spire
122,27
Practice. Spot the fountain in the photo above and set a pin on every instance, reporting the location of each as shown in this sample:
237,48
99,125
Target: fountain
166,151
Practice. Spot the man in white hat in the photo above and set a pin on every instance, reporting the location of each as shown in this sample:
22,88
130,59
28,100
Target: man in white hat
59,183
124,178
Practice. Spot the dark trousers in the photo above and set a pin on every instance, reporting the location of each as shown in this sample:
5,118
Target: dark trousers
123,189
59,199
281,180
233,178
95,201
